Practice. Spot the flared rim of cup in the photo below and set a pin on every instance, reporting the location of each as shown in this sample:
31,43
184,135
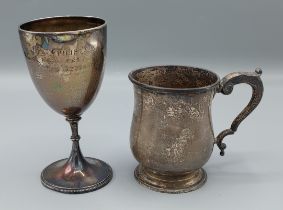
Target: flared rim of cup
22,25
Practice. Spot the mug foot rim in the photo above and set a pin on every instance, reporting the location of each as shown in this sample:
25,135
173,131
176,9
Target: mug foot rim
170,183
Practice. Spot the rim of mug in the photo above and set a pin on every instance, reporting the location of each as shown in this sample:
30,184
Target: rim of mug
62,32
167,89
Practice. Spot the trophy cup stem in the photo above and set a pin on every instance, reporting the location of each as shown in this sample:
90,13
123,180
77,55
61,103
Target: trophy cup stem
76,161
76,174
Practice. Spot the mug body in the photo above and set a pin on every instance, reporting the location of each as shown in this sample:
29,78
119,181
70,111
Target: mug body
171,131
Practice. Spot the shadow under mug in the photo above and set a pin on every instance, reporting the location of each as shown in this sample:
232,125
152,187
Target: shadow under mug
171,132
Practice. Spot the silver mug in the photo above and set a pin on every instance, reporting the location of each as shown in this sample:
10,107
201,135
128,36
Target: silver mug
171,133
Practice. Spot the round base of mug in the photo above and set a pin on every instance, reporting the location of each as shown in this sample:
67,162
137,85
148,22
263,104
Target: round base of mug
96,174
170,183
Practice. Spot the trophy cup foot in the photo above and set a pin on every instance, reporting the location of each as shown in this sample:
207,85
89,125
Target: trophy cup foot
170,183
61,176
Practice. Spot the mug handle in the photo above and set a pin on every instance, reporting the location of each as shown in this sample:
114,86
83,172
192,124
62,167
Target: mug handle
226,87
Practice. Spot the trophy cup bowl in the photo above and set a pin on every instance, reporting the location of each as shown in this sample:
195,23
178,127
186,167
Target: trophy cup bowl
65,58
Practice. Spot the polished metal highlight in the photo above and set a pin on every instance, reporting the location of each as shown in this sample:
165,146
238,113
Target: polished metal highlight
171,133
65,58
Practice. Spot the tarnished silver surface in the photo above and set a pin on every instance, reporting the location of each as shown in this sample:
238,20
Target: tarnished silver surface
171,133
65,58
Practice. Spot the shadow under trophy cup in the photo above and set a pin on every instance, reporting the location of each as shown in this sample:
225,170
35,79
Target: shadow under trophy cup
171,133
65,57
